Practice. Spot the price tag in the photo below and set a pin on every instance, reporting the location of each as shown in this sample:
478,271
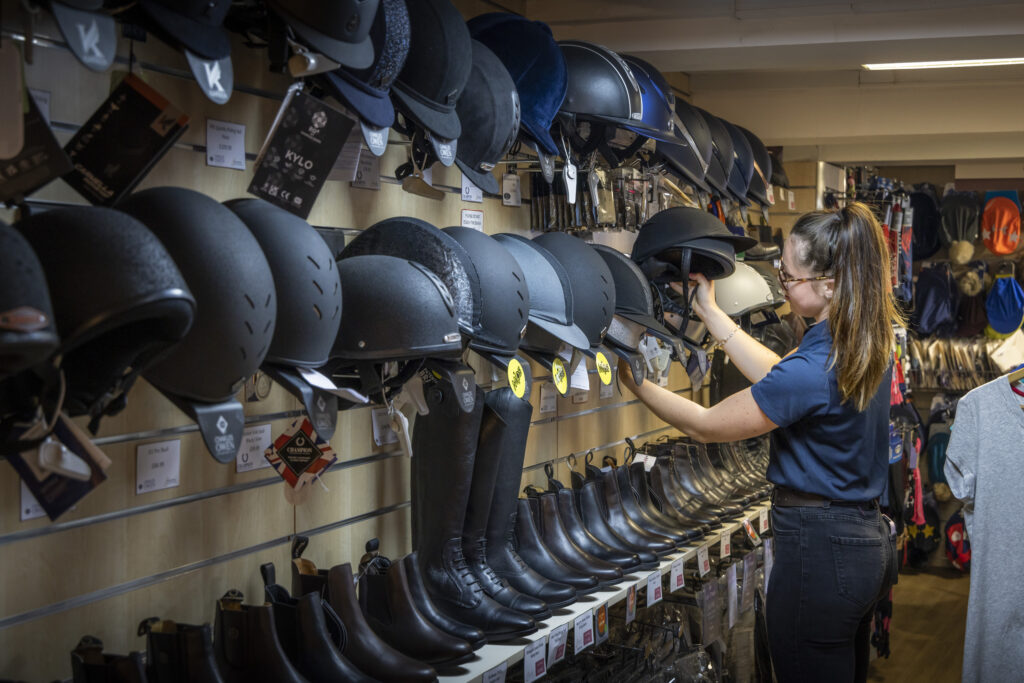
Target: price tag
157,466
792,201
601,628
604,368
556,644
559,376
730,581
725,545
583,631
473,218
580,377
548,398
347,164
30,507
771,194
769,560
255,441
516,378
654,588
631,603
606,391
763,515
367,173
749,579
676,578
751,532
225,144
510,192
496,675
534,662
382,432
703,562
470,192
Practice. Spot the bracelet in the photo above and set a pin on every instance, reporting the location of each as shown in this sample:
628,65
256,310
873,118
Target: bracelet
721,344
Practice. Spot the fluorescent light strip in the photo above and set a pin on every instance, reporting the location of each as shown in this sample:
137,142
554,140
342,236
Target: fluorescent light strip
944,64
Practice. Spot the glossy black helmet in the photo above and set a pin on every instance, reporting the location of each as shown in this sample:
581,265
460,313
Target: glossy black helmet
236,304
692,157
633,298
551,297
666,235
338,30
742,167
761,179
28,333
134,309
720,165
593,289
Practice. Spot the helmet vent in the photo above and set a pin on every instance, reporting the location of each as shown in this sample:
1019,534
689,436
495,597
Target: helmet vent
313,261
319,315
318,287
249,300
245,356
270,299
248,327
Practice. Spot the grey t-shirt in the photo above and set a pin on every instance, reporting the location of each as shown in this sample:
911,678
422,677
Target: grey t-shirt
985,469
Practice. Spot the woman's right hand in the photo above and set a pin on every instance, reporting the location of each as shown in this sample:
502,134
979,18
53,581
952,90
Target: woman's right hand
704,304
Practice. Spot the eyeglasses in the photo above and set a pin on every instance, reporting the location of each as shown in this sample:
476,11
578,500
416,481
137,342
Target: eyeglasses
785,280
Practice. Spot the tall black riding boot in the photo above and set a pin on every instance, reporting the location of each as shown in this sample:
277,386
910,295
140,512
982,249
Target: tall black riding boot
444,443
507,440
179,653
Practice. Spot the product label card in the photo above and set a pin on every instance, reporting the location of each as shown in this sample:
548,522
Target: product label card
606,391
225,144
763,518
473,218
496,675
631,603
769,560
299,455
730,581
470,192
601,628
725,545
556,644
703,561
30,507
548,398
676,576
157,466
299,153
654,588
511,195
583,631
255,441
39,160
123,139
382,432
534,661
749,581
346,166
367,173
580,377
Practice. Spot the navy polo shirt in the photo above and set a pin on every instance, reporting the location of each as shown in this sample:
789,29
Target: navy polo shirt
823,446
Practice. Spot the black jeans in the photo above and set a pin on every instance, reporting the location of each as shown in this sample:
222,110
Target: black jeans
830,569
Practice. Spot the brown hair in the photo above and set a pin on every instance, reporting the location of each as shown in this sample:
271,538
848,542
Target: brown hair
848,245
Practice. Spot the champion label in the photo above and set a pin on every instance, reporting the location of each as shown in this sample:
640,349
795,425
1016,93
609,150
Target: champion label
299,452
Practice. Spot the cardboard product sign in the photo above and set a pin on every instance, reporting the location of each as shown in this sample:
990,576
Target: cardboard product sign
299,455
114,150
39,160
299,153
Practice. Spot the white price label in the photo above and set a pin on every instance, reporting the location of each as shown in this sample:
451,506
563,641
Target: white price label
470,192
654,588
255,441
556,644
382,432
225,144
548,398
725,545
534,662
703,562
730,581
157,466
763,518
676,578
367,173
649,462
346,166
791,201
496,675
30,507
769,560
631,603
510,192
473,218
580,378
583,631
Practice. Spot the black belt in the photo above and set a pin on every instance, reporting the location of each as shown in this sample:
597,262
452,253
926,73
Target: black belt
788,498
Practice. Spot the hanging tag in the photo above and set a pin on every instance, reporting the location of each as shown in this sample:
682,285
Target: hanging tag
534,660
255,441
697,366
216,77
654,588
559,376
771,194
730,581
604,368
496,675
763,518
511,194
631,603
36,157
749,581
548,398
400,426
105,168
583,631
299,153
751,532
601,627
725,545
367,173
225,144
29,506
556,644
157,466
769,561
517,378
606,391
470,192
299,455
677,578
346,166
580,378
703,561
382,432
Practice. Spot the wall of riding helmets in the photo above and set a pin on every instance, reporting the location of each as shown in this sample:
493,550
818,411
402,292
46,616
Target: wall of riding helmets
314,222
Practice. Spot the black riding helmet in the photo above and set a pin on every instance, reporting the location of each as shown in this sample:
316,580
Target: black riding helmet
28,333
593,288
339,30
720,165
135,308
504,294
489,113
762,176
551,298
308,302
742,167
236,307
692,158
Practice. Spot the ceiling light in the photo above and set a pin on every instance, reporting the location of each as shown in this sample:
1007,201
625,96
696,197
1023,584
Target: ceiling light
945,64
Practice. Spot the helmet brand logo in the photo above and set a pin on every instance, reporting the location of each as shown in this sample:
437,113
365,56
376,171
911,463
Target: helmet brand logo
90,39
222,424
23,319
212,70
321,404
